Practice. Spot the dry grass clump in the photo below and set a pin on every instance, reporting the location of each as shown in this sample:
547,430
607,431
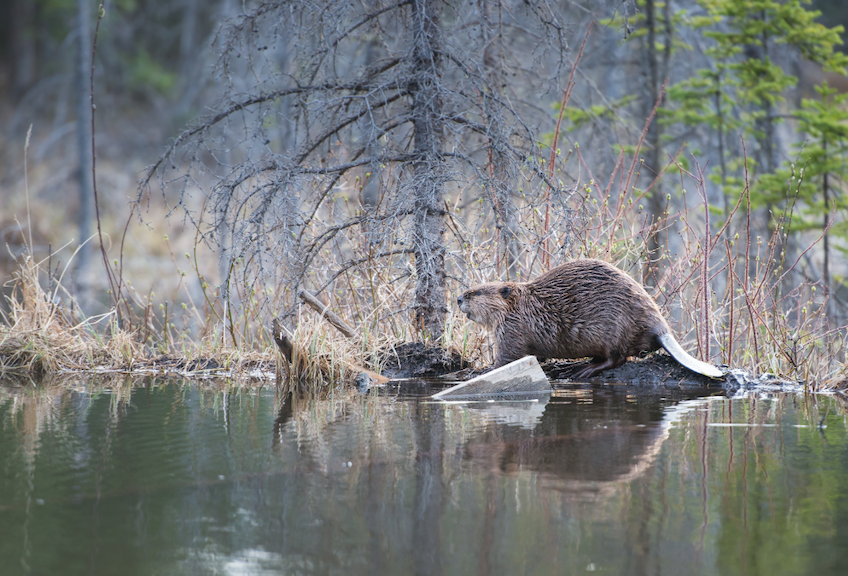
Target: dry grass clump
38,335
321,358
736,292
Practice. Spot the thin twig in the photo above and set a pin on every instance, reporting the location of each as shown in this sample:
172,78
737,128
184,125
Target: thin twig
114,292
569,88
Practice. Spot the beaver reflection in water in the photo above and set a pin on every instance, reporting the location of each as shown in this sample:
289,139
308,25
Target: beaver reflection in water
584,308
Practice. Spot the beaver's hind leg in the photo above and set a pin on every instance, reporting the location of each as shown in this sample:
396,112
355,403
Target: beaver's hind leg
599,365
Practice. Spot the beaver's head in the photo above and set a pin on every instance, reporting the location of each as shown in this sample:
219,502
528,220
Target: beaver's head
488,304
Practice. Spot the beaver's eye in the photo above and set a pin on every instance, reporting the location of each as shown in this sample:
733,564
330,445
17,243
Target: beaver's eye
505,291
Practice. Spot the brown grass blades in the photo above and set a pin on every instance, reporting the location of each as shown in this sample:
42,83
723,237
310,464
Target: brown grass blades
321,358
729,300
735,311
39,337
749,305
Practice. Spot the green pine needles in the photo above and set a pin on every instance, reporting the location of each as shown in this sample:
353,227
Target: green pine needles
741,90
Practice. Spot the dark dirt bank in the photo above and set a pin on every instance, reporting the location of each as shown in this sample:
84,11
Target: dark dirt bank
656,371
433,365
417,360
660,370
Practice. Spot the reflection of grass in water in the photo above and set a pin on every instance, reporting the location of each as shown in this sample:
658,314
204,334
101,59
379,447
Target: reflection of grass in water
709,490
314,416
33,408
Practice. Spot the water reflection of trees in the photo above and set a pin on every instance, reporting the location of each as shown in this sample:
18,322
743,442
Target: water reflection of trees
361,483
630,485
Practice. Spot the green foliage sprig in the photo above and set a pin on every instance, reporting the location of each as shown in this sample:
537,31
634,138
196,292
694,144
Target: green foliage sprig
737,93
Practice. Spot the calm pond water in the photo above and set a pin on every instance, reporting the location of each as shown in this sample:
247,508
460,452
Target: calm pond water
183,478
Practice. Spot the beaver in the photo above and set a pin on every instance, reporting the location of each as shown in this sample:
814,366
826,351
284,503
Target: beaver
584,308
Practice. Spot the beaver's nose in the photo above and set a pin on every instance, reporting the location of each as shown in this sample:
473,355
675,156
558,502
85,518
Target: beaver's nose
459,301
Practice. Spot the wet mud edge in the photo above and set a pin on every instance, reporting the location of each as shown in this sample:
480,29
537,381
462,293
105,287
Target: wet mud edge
657,370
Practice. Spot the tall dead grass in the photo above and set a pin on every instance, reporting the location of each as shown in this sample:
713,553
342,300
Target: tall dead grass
734,293
39,334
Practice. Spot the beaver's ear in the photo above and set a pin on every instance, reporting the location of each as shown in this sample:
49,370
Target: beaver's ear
505,291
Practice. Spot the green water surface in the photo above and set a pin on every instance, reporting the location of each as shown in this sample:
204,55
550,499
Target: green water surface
185,478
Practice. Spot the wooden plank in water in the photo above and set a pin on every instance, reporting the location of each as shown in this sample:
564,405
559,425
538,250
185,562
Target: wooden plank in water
523,376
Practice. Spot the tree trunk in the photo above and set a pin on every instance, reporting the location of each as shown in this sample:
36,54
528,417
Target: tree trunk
23,61
429,227
371,185
504,201
656,200
83,131
187,34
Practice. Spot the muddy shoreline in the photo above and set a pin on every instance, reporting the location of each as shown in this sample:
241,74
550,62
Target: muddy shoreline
436,367
657,371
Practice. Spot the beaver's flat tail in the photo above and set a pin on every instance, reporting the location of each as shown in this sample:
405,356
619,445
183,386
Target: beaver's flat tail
671,346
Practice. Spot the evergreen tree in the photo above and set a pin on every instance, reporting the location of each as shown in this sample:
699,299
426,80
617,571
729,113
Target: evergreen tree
821,164
743,73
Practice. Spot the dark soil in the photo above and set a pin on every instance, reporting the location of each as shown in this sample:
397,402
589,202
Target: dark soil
414,360
657,371
417,360
660,370
198,365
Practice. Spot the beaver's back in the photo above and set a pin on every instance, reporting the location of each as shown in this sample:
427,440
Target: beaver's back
584,308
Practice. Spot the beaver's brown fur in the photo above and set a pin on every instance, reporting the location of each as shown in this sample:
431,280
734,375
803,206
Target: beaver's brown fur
585,308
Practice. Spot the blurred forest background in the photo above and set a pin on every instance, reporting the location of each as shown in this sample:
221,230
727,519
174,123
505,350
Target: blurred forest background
305,155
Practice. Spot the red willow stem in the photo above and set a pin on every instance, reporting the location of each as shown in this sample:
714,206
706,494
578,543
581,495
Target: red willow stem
569,88
621,202
730,265
747,192
705,268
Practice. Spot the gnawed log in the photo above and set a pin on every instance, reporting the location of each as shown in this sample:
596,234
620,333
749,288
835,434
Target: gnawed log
283,343
523,376
325,312
286,347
